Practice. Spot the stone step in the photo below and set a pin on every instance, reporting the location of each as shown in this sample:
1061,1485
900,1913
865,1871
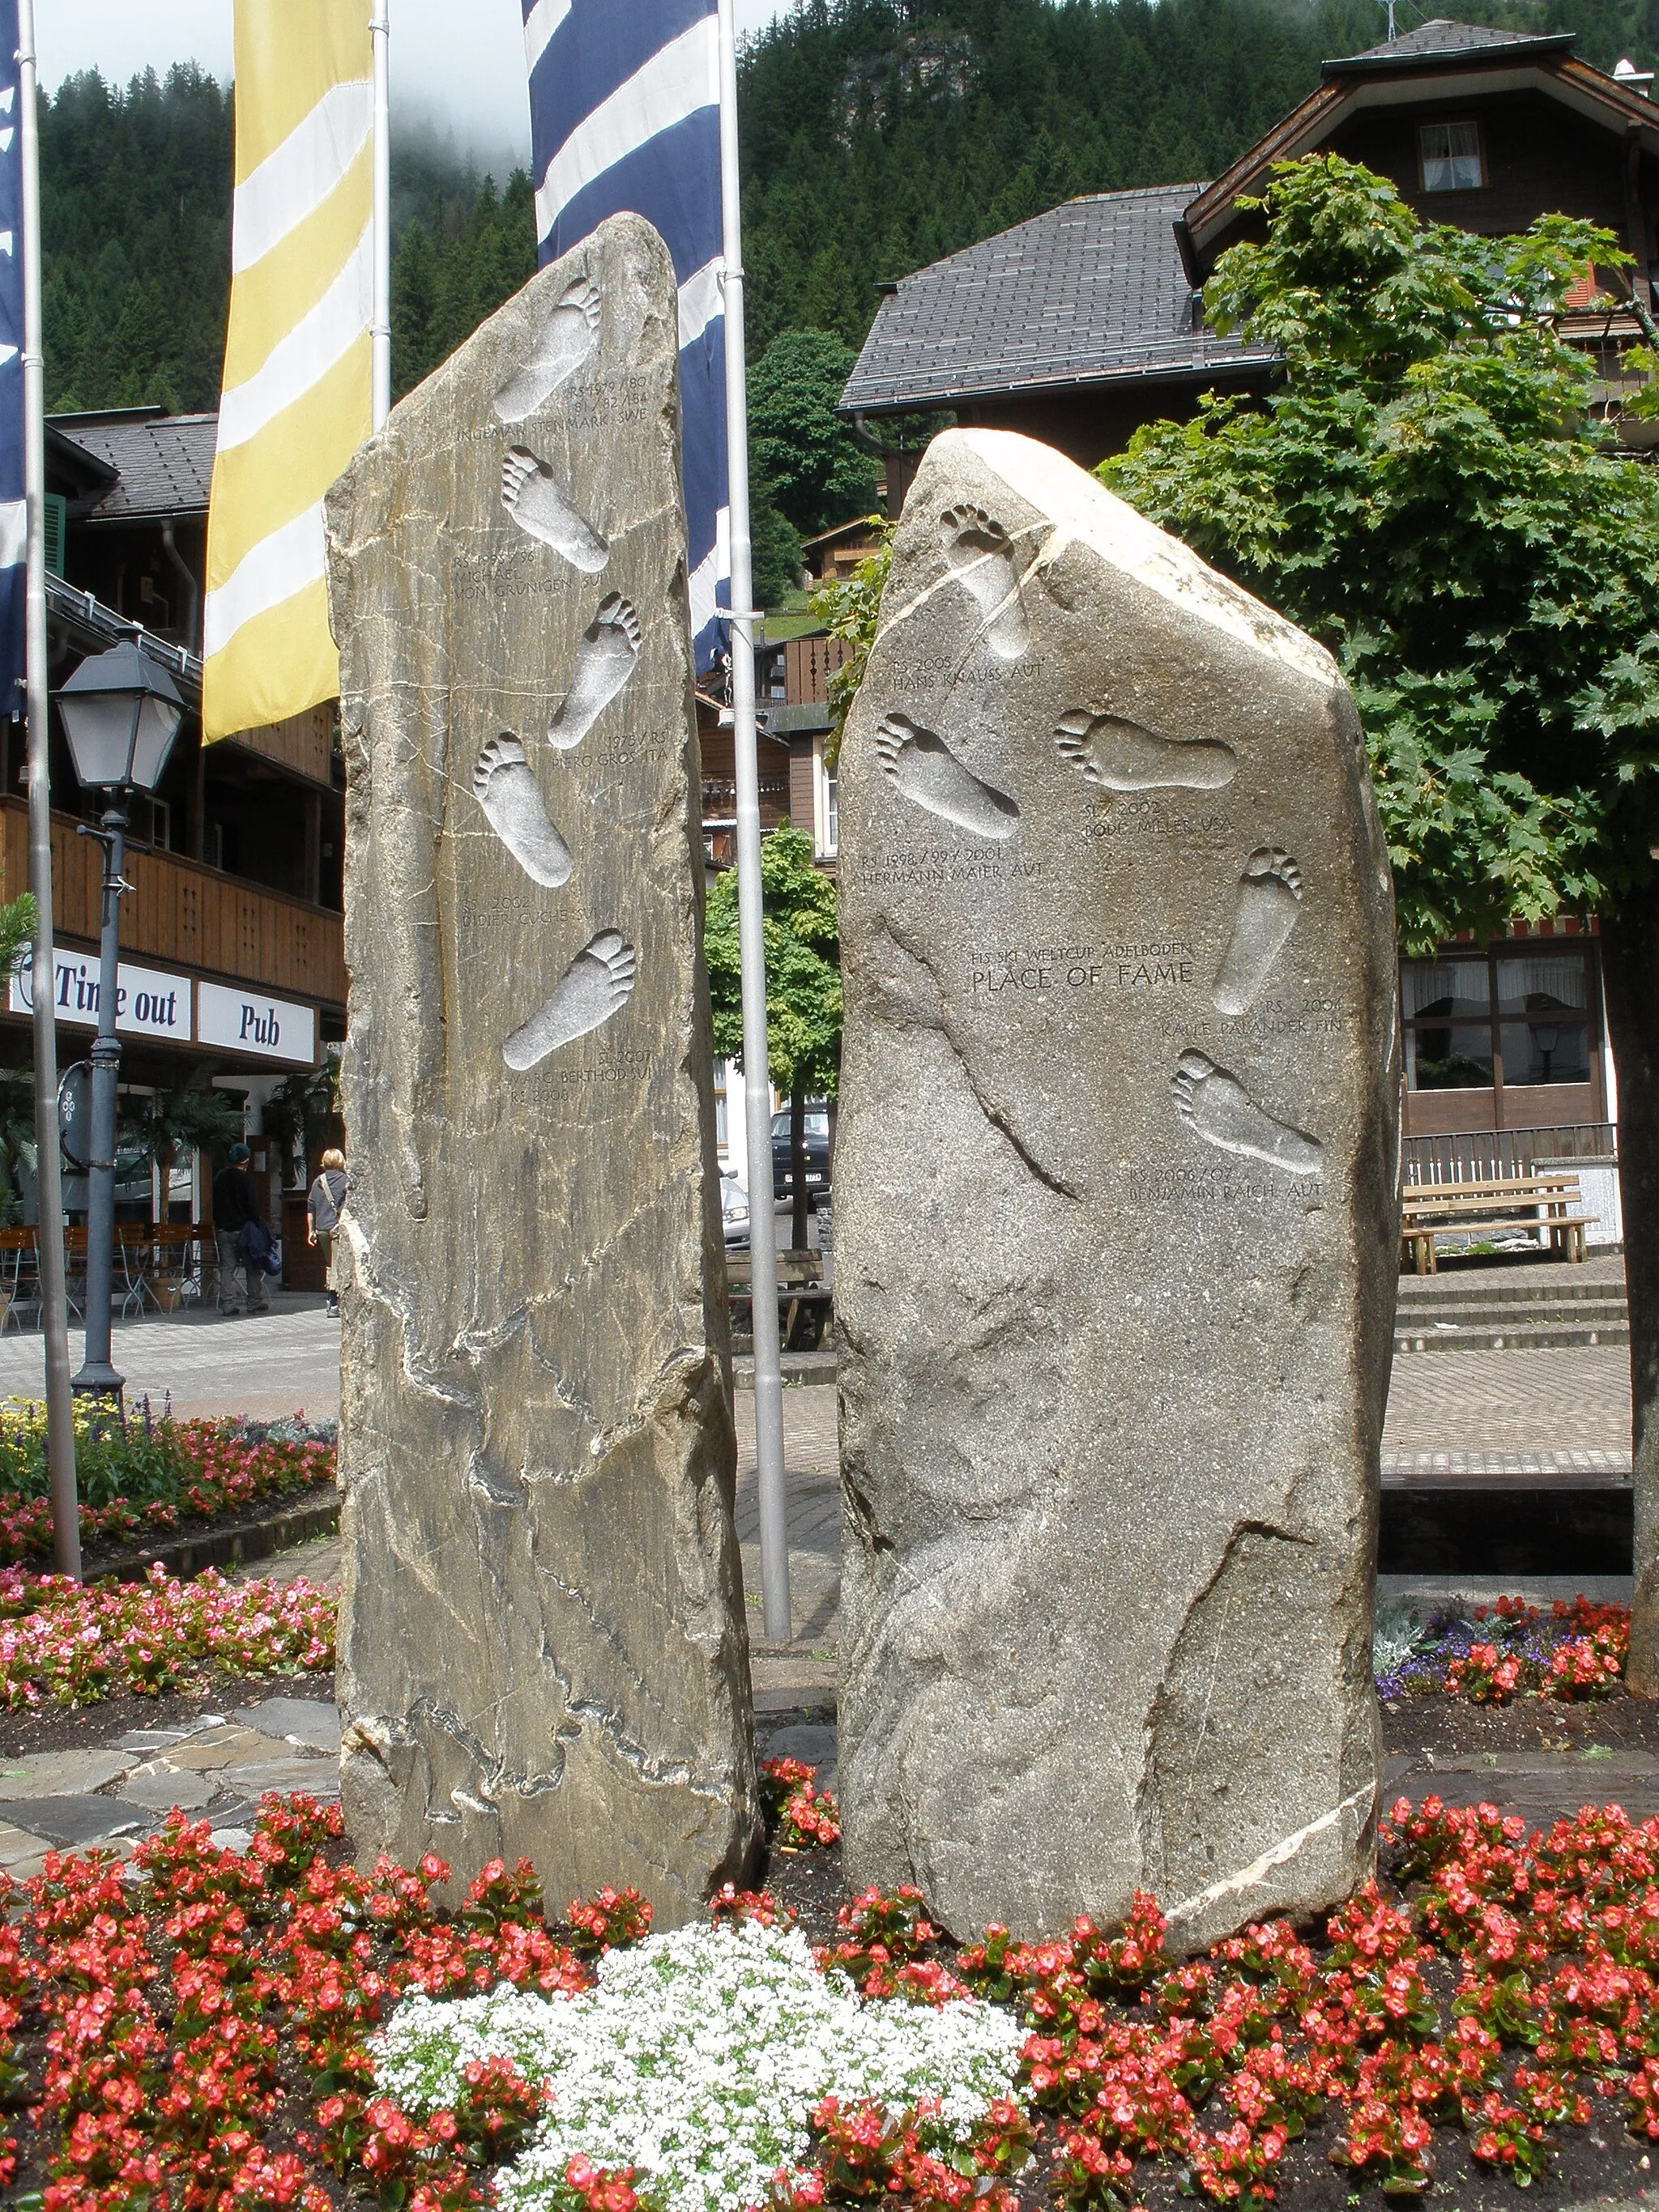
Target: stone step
1508,1335
1572,1288
1585,1313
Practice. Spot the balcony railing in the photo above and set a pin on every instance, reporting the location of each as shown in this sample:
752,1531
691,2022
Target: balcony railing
179,910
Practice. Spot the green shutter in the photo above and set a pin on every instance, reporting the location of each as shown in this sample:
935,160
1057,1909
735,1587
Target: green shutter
57,521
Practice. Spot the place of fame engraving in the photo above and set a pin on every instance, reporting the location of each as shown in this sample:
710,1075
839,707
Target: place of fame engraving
1150,963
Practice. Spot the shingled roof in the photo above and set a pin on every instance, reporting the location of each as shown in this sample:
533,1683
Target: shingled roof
1438,40
1091,291
165,462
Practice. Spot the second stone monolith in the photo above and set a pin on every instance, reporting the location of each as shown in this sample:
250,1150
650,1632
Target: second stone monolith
1115,1224
541,1646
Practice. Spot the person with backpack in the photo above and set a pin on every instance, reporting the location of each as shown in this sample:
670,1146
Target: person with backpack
236,1208
323,1209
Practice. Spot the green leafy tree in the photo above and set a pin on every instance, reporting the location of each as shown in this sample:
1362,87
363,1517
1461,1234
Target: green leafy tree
776,549
803,986
818,474
1428,491
849,609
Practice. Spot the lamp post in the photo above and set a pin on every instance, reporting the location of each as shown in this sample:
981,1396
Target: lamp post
121,712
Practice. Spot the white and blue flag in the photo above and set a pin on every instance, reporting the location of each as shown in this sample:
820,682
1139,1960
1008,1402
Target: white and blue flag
13,513
624,116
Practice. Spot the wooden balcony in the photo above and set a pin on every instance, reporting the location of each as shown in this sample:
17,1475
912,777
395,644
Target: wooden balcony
181,913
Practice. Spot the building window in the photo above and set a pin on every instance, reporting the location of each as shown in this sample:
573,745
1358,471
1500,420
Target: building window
1446,1006
826,810
1515,1018
1543,1018
1451,157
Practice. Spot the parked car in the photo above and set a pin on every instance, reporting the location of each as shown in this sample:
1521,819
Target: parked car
817,1150
734,1213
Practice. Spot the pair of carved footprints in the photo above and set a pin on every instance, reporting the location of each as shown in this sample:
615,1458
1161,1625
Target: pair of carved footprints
598,980
1214,1104
1106,748
1122,756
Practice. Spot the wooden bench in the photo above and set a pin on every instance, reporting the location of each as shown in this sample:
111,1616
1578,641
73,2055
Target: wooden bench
801,1293
1429,1210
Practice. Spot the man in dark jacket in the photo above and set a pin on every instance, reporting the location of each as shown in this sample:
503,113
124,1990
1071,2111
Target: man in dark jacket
235,1203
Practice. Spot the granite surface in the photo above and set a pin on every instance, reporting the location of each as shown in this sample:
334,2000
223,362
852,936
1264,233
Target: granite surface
542,1641
1114,1224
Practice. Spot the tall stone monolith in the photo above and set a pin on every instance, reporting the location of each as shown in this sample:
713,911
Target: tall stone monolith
1116,1238
542,1645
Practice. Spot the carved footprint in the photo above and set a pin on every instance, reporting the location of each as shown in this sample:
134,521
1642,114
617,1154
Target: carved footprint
536,504
566,338
591,989
979,549
1124,757
1269,899
929,773
604,661
512,801
1217,1107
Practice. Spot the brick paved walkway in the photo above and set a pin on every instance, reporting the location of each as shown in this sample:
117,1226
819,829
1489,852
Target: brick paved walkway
1537,1401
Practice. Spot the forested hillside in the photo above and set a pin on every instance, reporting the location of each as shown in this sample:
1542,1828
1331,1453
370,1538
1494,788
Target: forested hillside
877,135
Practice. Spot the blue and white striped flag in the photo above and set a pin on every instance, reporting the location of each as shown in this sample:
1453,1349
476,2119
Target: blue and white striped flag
624,115
13,522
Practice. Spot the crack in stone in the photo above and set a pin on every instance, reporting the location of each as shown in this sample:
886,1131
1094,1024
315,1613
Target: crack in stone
996,1115
1280,1854
398,1305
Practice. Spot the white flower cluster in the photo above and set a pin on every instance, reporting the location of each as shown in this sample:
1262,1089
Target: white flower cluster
697,2060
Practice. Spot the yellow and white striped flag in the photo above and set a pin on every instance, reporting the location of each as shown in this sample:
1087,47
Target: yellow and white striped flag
296,396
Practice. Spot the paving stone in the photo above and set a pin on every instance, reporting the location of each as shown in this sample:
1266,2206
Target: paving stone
230,1839
811,1742
295,1720
73,1820
150,1739
316,1778
160,1789
221,1748
16,1845
1545,1399
59,1773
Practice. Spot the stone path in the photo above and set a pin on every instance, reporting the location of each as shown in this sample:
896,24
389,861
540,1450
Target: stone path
219,1766
1541,1785
1537,1401
263,1365
802,1673
1531,1403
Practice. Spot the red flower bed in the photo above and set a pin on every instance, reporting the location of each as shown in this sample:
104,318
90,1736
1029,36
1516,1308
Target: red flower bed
169,1473
68,1643
193,2032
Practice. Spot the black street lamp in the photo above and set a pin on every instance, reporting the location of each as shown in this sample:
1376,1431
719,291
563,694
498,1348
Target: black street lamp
121,712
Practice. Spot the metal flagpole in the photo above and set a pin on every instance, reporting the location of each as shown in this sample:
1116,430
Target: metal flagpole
379,31
757,1089
48,1182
